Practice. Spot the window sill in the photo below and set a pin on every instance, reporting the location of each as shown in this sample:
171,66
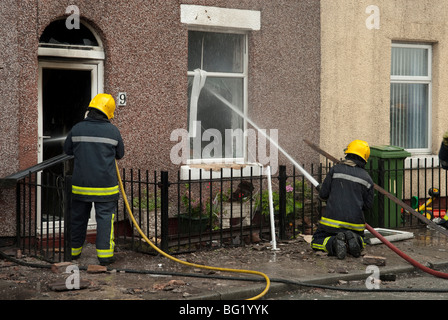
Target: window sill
421,161
213,170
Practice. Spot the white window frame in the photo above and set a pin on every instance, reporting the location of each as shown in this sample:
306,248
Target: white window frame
241,75
222,20
418,80
96,68
216,17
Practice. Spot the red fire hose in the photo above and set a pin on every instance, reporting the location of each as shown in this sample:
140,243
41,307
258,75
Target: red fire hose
405,256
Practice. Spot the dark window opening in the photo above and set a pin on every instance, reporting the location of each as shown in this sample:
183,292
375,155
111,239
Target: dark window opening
58,34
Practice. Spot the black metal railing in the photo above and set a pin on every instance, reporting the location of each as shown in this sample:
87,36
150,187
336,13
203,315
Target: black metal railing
42,205
210,210
227,209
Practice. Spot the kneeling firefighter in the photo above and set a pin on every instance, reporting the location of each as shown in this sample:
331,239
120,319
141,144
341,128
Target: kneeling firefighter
95,144
348,190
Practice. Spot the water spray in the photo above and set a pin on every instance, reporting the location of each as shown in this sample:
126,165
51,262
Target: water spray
308,176
268,168
316,184
49,139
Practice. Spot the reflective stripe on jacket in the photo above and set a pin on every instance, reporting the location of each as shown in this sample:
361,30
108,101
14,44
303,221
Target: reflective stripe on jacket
95,191
342,224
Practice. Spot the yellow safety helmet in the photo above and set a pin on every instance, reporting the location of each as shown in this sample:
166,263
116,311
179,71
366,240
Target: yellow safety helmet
360,148
105,103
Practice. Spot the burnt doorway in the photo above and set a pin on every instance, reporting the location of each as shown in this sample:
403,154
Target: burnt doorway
65,90
65,97
71,73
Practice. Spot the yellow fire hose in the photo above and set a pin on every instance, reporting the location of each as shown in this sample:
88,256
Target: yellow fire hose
268,282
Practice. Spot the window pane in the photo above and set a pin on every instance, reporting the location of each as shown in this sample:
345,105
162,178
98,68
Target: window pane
195,50
57,33
215,52
216,116
223,52
409,61
409,115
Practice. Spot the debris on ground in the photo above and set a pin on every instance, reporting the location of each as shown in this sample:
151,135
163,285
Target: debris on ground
170,285
374,260
144,276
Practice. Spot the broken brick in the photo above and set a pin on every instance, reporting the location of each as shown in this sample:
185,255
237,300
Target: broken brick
169,285
60,267
62,285
374,260
93,268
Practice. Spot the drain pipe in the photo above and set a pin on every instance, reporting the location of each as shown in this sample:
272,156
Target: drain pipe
271,209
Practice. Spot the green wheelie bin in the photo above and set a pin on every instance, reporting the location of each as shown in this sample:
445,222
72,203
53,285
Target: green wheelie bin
386,167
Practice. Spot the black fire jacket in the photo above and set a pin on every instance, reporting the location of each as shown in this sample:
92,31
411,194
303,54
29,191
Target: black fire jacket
348,190
95,144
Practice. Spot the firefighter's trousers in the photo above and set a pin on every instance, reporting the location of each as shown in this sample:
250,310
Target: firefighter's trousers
104,215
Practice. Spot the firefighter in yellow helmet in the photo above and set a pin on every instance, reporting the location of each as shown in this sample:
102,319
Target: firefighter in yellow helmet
95,144
348,191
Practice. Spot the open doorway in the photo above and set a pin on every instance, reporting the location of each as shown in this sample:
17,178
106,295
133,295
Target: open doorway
65,95
70,74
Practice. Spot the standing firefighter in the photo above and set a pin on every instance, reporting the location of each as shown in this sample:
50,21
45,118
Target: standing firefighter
348,190
95,144
443,158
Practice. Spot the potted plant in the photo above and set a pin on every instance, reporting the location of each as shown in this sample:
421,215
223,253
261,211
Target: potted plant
293,204
234,207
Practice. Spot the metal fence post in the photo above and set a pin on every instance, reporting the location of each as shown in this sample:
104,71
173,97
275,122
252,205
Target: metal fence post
381,183
164,210
282,202
18,218
67,218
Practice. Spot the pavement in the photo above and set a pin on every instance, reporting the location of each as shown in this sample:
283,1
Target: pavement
143,276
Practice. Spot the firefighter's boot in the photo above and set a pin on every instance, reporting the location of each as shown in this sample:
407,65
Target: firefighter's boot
339,246
354,247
